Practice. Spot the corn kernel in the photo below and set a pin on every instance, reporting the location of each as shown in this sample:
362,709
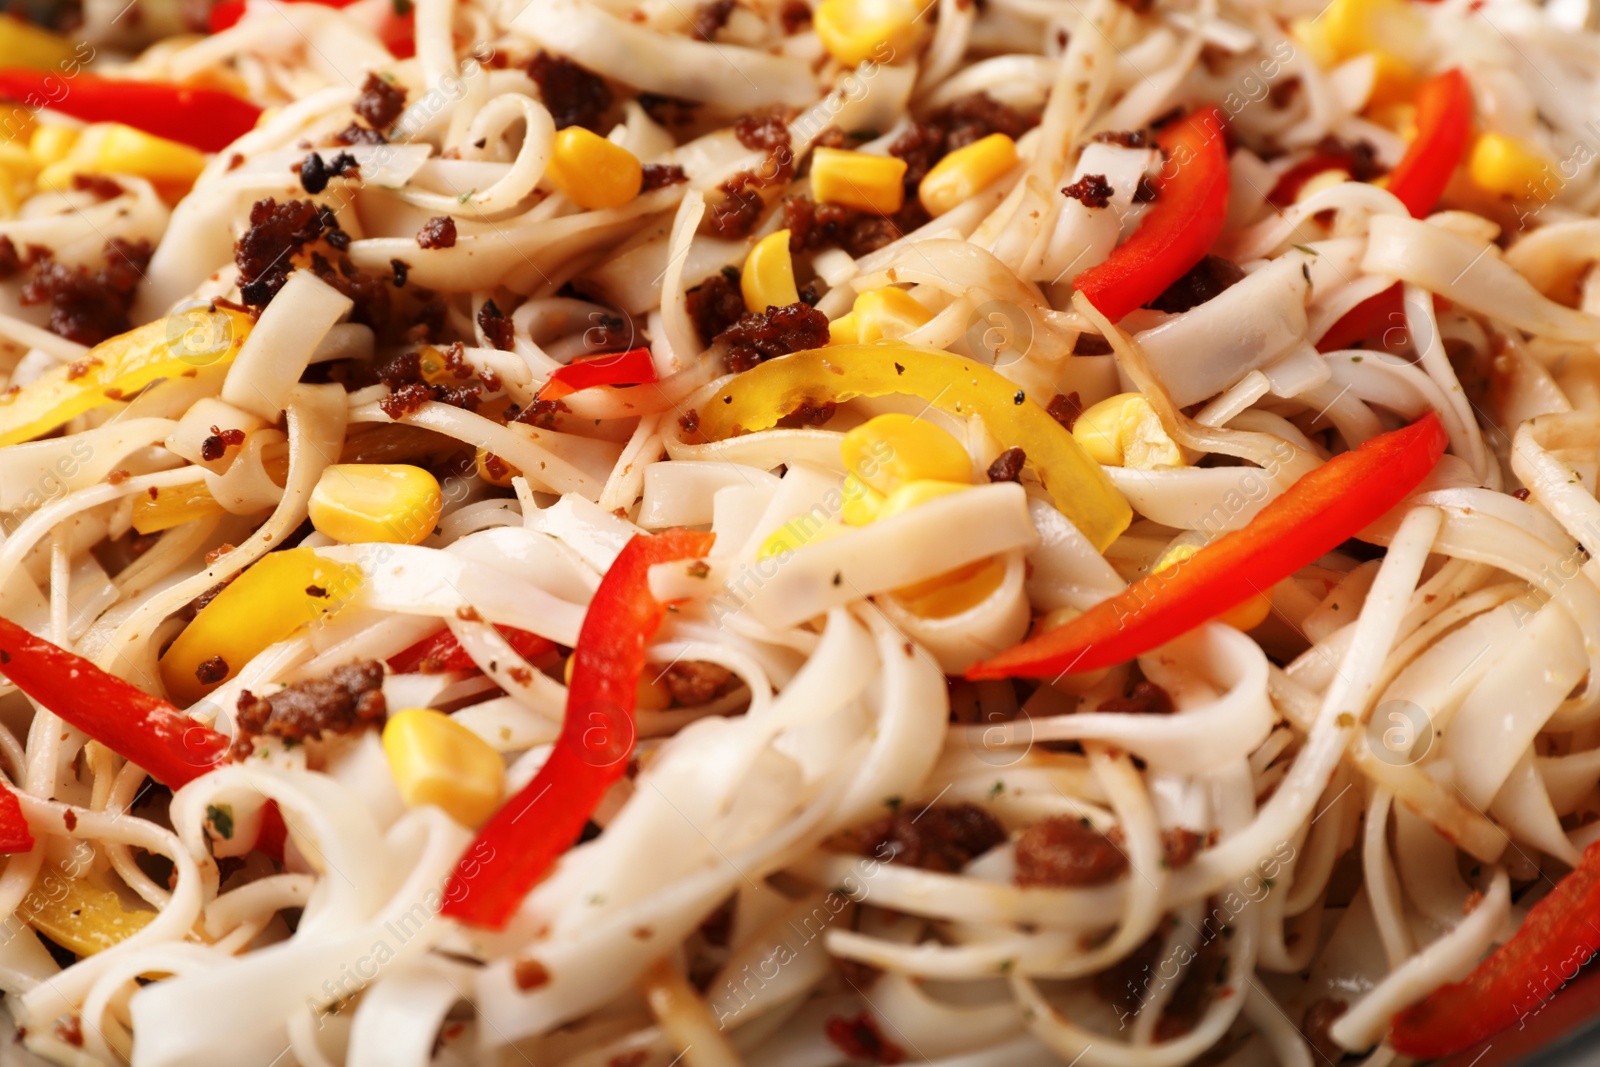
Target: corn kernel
954,591
592,171
1246,616
1393,81
1316,183
889,451
966,172
1507,166
1347,28
768,276
394,503
435,760
796,534
652,693
861,502
888,312
859,180
51,143
844,330
856,30
165,164
1124,431
913,494
494,470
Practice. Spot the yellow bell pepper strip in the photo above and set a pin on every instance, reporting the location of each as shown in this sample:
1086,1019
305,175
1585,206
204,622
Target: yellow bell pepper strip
173,748
1180,226
116,369
79,915
278,595
14,833
1320,511
22,44
1558,935
511,853
764,394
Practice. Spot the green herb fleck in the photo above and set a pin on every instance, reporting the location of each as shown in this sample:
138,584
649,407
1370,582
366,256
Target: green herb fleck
220,816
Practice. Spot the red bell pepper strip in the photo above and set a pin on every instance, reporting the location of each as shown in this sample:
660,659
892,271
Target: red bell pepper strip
14,833
1369,320
204,118
511,853
1558,935
398,32
1444,124
1181,225
442,652
143,729
633,367
1320,511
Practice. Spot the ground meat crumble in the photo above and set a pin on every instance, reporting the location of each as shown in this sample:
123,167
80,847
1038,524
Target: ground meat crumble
942,837
777,331
574,95
715,304
1091,190
380,102
86,306
1203,281
1064,851
437,232
345,700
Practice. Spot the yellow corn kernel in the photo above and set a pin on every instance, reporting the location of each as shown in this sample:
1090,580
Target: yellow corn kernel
915,493
1124,431
1506,165
856,30
168,165
954,591
395,503
861,502
1245,616
843,330
494,470
1399,118
768,276
51,143
795,534
1346,28
23,44
1393,81
592,171
859,180
1326,180
173,507
78,914
435,760
889,451
652,694
887,312
966,172
271,600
